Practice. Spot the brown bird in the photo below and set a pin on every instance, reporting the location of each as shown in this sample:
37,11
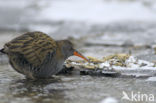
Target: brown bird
37,55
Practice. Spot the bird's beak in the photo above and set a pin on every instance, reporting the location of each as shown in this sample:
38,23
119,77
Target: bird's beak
76,53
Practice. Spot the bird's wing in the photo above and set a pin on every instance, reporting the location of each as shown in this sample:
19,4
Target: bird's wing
34,46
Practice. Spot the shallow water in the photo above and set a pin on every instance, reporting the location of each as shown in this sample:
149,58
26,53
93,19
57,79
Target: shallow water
68,89
96,36
76,88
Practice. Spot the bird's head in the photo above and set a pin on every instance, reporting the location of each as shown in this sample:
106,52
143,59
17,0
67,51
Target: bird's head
68,50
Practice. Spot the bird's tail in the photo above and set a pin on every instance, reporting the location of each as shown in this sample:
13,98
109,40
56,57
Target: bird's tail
2,51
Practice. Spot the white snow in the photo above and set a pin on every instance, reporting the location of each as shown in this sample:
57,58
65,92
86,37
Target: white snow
86,11
109,100
105,64
96,11
132,63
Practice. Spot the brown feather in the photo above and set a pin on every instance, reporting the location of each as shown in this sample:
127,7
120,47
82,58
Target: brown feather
33,45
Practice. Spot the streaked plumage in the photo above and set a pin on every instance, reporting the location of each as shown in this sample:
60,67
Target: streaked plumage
37,55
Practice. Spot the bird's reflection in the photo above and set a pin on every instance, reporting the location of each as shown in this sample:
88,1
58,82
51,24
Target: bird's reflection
39,90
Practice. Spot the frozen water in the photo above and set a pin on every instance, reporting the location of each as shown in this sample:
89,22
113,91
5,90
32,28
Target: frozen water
116,22
153,79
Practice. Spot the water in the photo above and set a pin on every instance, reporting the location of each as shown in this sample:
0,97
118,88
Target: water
94,35
68,89
76,88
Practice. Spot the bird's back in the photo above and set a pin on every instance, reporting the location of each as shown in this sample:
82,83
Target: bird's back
33,46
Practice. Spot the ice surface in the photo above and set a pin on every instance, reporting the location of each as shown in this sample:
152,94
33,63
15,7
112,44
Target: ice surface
151,79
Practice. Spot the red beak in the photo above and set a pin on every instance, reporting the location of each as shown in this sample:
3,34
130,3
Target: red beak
80,55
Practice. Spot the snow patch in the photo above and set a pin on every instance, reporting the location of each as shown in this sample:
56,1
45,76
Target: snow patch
109,100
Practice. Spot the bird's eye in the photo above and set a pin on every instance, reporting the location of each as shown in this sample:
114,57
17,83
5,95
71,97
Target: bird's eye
71,48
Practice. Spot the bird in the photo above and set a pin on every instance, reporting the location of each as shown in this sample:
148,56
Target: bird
37,55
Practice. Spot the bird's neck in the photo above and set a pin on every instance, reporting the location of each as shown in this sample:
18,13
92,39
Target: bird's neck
60,53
